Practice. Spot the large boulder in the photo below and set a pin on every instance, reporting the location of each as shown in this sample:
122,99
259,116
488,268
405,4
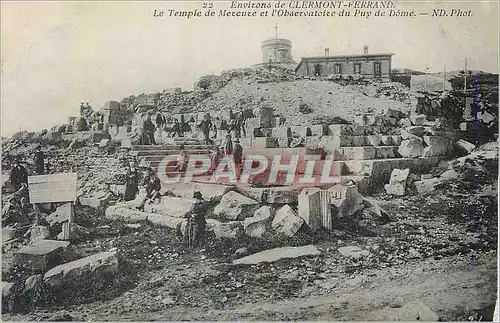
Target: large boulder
257,225
426,186
418,119
121,211
225,230
277,254
398,181
170,206
82,271
411,148
41,255
286,221
95,200
353,252
234,206
346,200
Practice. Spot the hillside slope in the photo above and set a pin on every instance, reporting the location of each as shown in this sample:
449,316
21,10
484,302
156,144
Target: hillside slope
327,99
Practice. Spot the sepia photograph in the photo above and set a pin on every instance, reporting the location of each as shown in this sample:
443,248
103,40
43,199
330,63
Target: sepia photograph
258,160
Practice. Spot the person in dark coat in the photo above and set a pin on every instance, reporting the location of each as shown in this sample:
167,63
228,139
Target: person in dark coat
205,126
153,187
241,123
18,175
160,120
238,160
228,145
39,160
148,128
132,186
195,230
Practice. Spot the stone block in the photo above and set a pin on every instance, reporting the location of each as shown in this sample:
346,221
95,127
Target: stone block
356,153
318,130
257,225
388,141
411,148
450,174
315,209
397,140
436,146
41,255
416,130
346,200
82,271
284,142
345,129
39,232
427,185
385,152
418,120
374,140
405,135
353,252
395,189
281,132
171,206
302,131
465,146
265,142
280,195
96,200
64,213
225,230
234,206
121,211
312,142
286,221
276,254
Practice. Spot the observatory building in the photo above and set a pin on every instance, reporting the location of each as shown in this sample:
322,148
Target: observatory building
277,50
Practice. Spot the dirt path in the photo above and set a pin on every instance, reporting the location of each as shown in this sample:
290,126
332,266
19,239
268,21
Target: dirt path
453,287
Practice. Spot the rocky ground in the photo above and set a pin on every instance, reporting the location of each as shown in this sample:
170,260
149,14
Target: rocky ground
436,257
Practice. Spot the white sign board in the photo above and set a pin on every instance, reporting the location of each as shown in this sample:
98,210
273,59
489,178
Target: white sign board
52,188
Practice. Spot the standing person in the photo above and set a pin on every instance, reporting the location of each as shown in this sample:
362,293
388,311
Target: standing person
160,120
39,160
176,128
228,145
234,127
132,186
238,160
241,123
206,125
182,165
15,176
195,230
148,129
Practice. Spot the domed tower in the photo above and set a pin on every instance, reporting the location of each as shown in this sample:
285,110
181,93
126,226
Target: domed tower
277,50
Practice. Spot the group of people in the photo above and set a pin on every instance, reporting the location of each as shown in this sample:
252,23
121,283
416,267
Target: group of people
195,224
236,125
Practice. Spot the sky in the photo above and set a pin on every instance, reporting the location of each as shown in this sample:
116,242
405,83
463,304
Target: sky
57,54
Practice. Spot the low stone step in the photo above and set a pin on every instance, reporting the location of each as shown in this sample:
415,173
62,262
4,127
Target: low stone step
380,169
330,143
362,153
169,147
170,152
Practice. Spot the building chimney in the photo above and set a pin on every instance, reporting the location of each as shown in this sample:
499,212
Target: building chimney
327,52
365,49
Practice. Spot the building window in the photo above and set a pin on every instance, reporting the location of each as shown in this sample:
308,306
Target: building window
377,69
357,68
337,69
317,70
